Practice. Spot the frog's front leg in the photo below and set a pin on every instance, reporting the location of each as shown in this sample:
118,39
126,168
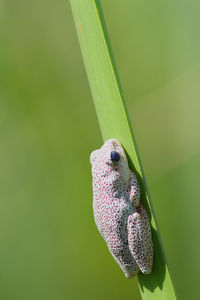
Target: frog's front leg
135,191
140,240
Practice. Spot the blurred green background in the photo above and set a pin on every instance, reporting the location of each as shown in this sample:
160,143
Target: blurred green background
50,247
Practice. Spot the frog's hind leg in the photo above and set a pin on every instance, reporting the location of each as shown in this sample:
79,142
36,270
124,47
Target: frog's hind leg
140,240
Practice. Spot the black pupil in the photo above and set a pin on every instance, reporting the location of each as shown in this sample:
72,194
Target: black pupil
114,156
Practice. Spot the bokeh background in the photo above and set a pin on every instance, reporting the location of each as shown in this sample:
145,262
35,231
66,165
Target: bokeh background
49,245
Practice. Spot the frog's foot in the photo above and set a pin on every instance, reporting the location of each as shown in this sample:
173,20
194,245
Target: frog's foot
129,275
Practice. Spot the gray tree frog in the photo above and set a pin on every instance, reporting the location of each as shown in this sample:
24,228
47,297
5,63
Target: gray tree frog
120,218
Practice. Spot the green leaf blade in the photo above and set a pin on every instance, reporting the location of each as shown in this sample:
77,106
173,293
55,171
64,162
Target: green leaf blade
114,123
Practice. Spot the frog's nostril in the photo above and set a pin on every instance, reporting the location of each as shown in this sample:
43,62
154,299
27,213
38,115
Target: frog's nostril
114,143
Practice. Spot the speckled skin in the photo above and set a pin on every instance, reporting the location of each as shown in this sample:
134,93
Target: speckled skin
119,216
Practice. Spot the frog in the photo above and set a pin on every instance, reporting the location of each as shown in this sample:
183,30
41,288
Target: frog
119,215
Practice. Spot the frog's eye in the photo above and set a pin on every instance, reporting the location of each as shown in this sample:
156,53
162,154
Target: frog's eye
115,157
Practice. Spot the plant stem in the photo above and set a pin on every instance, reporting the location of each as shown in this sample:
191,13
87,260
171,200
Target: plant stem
114,123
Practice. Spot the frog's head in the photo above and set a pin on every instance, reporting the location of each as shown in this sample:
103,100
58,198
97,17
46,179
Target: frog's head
109,158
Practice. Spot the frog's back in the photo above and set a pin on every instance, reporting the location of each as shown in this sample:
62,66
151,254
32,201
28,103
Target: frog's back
112,207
